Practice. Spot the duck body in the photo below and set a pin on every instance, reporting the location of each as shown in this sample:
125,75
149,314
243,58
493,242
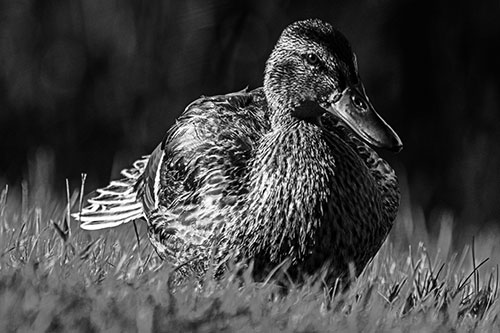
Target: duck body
326,207
247,176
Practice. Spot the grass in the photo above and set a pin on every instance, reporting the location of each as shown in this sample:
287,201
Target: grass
55,277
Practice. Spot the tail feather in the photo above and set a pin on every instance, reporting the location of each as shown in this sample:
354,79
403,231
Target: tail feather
116,203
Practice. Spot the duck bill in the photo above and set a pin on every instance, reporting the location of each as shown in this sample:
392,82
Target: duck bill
354,108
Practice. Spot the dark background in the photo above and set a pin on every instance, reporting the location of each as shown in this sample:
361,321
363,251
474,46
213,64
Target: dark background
90,85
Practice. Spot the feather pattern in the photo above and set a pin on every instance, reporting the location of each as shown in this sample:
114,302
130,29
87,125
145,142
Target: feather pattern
116,203
246,175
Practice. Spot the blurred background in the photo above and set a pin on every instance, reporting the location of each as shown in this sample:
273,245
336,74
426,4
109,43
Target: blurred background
90,85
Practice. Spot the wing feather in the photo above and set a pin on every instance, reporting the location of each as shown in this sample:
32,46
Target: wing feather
114,204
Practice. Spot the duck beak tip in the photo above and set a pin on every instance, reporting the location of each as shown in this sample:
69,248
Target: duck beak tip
397,148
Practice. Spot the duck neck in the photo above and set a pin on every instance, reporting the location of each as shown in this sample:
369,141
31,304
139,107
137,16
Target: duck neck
281,114
287,110
281,102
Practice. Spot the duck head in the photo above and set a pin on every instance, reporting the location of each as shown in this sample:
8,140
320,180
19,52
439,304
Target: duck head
312,70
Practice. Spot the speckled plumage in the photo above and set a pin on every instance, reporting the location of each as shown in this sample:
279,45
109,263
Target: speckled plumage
267,174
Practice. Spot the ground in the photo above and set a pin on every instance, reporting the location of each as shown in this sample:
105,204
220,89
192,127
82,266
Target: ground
55,277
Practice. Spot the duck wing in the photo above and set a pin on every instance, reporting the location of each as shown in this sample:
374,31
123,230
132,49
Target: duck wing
201,167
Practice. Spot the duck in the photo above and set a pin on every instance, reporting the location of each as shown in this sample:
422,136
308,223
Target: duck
287,172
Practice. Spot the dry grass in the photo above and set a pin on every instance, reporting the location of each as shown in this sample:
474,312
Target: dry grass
55,277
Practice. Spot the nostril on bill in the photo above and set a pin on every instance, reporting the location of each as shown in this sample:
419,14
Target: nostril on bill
358,102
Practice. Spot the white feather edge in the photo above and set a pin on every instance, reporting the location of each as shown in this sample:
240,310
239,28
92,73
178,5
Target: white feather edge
115,204
94,220
156,187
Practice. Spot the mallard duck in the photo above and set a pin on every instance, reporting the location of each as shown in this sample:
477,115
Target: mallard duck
285,172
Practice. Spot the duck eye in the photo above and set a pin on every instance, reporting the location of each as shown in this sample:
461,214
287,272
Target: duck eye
312,59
